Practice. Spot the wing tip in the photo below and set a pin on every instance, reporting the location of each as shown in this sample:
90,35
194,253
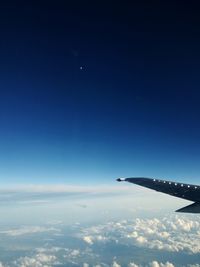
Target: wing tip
121,179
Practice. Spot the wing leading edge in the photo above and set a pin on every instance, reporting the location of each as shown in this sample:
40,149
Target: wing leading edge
181,190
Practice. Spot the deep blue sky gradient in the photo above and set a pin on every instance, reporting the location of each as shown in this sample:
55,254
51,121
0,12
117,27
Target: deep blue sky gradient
132,110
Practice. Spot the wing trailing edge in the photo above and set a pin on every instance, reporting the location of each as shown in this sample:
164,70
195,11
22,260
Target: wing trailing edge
192,208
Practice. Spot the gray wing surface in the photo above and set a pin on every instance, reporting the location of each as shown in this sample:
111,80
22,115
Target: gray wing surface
181,190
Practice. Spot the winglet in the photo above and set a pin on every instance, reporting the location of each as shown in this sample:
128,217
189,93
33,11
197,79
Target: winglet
120,179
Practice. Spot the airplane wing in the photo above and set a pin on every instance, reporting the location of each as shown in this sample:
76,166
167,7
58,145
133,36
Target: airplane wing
181,190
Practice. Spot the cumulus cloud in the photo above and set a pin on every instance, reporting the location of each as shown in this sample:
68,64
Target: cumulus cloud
157,264
40,260
115,264
88,239
58,256
175,234
132,264
152,264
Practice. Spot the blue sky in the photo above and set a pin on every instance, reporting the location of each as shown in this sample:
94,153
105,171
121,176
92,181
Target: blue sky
131,110
90,92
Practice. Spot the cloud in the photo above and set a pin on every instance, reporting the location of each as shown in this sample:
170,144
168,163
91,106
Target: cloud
115,264
43,194
152,264
40,260
68,188
28,230
68,256
75,253
88,239
48,257
174,234
132,264
157,264
177,233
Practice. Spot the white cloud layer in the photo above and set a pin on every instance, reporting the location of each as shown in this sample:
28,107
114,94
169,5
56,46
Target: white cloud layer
68,188
41,194
174,234
28,230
